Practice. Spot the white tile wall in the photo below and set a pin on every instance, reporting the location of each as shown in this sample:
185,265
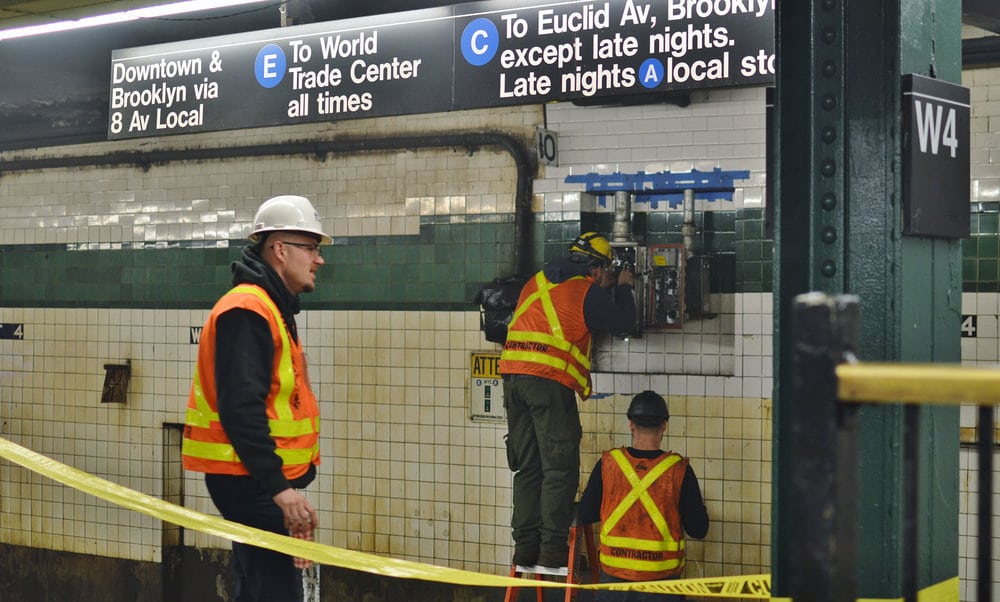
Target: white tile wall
983,349
405,472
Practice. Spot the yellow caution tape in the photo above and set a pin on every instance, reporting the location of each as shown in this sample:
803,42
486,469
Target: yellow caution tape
732,587
746,587
945,591
191,519
755,587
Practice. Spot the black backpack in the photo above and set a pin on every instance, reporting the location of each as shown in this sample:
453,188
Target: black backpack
497,301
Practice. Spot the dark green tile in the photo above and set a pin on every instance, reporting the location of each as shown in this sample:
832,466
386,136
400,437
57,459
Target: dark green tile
988,223
970,272
725,221
987,246
657,222
970,246
753,229
987,270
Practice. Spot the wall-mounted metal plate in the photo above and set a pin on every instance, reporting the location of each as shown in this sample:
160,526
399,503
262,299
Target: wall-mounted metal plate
116,377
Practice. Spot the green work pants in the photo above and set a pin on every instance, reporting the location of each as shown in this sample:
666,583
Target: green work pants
543,450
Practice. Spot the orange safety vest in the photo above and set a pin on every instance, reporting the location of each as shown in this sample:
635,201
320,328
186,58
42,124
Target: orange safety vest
292,411
547,335
642,538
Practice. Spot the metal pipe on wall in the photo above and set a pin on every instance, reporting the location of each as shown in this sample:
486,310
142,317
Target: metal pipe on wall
687,229
622,229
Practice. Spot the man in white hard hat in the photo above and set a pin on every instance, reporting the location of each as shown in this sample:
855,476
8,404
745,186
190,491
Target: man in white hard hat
252,421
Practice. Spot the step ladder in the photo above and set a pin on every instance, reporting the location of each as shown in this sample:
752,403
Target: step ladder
571,571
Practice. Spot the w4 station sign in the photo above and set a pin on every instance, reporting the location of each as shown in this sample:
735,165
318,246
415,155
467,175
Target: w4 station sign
935,158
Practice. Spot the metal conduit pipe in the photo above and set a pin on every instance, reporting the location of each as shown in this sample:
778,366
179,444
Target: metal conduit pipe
688,227
622,228
524,161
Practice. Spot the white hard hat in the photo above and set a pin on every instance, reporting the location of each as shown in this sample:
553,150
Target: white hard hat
288,212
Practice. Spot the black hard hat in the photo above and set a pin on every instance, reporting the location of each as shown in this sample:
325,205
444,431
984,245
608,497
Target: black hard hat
648,404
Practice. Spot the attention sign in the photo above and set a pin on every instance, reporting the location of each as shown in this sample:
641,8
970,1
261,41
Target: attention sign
486,388
472,55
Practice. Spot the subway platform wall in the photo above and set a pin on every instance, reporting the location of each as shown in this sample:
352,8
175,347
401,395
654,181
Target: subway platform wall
104,265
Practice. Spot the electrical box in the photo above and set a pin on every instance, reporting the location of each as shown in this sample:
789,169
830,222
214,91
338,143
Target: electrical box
665,281
696,287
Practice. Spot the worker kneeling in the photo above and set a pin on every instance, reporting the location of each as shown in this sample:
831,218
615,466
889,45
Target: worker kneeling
646,500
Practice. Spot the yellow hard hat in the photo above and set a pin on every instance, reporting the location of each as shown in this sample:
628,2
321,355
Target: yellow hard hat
593,245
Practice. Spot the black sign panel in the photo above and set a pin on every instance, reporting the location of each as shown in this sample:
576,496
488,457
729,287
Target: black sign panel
935,158
471,55
318,72
567,50
969,326
12,331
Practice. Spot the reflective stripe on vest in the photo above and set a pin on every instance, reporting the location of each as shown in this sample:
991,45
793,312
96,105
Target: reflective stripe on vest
555,339
639,493
224,452
285,425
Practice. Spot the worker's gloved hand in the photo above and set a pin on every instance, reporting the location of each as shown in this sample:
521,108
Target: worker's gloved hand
626,276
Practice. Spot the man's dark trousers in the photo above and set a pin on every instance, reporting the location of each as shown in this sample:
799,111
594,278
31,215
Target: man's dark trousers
543,450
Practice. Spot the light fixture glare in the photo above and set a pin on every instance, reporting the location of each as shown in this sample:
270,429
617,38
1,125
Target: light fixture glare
150,12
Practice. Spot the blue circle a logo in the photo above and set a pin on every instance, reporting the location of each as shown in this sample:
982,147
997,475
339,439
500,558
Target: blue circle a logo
651,73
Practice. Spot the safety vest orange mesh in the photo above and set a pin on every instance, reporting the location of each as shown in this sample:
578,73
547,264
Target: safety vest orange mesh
548,336
292,411
642,538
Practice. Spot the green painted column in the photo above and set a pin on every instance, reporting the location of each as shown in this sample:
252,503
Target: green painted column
838,223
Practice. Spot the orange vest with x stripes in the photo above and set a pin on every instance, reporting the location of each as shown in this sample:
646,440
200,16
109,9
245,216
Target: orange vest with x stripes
642,538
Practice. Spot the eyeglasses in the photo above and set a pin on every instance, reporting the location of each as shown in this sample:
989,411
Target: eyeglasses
312,247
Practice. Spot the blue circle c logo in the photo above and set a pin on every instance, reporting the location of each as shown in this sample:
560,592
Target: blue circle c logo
480,41
270,66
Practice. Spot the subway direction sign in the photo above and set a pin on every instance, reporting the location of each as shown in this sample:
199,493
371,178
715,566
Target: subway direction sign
472,55
935,161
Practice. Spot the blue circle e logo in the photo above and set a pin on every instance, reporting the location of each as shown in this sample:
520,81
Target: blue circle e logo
270,66
480,41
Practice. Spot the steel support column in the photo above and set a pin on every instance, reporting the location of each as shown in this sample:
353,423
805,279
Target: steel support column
837,203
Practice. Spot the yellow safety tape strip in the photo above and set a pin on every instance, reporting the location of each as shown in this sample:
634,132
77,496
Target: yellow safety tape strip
323,554
185,517
755,587
945,591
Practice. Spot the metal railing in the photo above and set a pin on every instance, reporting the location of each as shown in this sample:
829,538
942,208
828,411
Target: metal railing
829,387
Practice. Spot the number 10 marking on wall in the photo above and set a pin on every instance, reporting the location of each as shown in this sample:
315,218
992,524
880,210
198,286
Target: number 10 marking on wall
546,147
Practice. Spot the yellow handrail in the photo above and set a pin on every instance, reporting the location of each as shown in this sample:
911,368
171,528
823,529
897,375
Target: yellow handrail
934,384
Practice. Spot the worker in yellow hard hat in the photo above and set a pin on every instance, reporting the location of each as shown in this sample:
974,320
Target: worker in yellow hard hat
545,364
